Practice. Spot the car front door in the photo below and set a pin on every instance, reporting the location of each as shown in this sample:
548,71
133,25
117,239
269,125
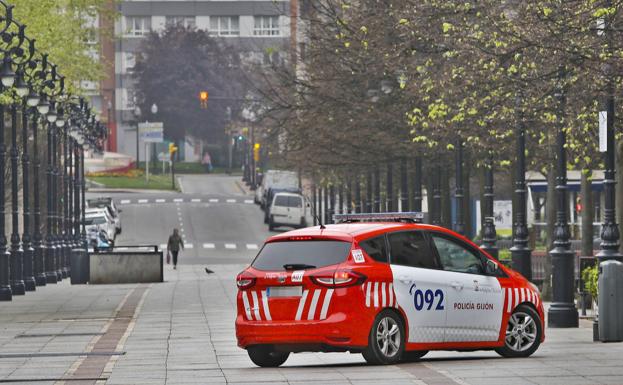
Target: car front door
419,285
475,300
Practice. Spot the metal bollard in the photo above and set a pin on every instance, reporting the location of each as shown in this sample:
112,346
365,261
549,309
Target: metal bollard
611,301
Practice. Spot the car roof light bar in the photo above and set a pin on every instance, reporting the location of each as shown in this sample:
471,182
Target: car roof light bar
416,217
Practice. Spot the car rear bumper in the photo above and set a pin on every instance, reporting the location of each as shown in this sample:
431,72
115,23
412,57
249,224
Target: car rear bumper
336,332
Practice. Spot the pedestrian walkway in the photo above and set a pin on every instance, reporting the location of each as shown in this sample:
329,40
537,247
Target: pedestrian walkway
182,332
143,201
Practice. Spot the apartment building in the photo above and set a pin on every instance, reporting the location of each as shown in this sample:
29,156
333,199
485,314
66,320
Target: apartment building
253,27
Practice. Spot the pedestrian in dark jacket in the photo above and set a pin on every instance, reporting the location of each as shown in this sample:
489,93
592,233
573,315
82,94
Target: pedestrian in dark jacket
174,244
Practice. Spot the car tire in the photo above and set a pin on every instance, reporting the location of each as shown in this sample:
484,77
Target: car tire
271,223
266,356
412,355
386,341
523,333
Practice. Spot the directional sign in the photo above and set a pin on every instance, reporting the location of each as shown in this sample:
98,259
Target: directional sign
151,132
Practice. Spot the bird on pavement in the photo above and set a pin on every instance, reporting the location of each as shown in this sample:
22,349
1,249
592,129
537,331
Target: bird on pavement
208,271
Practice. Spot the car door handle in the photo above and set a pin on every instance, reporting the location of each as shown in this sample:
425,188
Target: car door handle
404,279
456,285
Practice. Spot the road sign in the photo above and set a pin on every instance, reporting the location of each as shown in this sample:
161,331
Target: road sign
603,131
164,157
151,132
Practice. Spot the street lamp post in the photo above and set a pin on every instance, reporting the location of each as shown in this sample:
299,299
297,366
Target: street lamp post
404,186
39,251
17,273
50,247
6,294
436,210
389,181
459,225
562,312
137,114
28,258
417,185
520,252
489,234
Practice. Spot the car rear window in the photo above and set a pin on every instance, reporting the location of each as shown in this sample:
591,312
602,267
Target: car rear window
275,255
281,200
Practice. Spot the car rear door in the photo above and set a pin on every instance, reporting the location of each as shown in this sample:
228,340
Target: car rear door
475,300
419,285
285,289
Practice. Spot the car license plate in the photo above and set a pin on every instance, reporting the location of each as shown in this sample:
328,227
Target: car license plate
284,291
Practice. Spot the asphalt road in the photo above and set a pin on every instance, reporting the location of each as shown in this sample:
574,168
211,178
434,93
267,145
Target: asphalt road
216,216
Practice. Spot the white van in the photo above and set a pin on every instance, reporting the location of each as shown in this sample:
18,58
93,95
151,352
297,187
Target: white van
275,179
287,209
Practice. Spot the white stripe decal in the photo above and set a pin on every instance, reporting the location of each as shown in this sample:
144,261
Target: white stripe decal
299,311
523,295
325,304
245,303
383,297
376,294
368,293
509,304
312,306
256,306
516,298
391,294
265,305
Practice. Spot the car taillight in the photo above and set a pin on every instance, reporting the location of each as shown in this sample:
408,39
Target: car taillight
245,280
341,278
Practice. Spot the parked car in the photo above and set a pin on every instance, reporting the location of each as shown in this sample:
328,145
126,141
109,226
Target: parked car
270,195
100,219
275,179
109,204
287,209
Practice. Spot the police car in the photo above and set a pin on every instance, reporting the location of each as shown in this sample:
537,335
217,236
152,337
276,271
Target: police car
385,286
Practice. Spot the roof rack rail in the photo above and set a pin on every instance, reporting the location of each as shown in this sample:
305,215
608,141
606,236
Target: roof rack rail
415,217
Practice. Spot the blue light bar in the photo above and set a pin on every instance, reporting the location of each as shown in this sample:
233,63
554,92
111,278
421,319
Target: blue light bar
417,217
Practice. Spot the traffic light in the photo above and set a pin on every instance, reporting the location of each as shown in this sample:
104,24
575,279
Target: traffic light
203,98
172,149
256,152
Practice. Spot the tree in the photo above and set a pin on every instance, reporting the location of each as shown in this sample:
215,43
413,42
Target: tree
174,66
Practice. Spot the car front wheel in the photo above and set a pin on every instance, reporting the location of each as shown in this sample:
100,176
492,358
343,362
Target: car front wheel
386,339
523,333
266,356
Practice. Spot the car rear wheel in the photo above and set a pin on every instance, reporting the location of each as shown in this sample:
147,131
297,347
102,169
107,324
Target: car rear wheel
523,333
266,356
386,340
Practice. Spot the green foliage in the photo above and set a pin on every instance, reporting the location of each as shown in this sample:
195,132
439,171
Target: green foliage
60,29
590,277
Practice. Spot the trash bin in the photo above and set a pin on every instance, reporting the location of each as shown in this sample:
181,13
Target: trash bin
79,266
610,301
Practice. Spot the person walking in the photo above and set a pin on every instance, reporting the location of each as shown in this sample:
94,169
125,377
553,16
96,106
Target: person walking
174,244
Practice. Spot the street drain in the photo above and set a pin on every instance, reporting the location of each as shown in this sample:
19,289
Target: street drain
58,335
34,355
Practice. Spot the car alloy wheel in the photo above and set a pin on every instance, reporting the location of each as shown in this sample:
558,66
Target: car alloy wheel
386,339
521,332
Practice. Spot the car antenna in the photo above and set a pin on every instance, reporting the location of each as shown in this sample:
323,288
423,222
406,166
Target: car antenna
322,226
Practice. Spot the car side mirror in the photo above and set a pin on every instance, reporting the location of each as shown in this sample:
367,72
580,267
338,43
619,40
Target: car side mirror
492,267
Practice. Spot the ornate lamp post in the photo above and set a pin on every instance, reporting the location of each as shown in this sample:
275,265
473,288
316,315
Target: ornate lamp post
459,225
562,312
489,234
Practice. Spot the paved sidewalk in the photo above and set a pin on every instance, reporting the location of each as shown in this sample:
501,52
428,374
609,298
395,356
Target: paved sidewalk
182,332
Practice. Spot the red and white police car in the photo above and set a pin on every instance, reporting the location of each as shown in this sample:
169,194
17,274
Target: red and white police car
385,286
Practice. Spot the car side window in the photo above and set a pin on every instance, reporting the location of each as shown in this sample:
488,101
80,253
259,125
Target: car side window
455,257
411,248
294,202
375,248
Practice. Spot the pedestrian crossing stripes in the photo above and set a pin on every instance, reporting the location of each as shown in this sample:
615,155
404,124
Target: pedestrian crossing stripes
230,246
214,246
181,200
251,246
208,245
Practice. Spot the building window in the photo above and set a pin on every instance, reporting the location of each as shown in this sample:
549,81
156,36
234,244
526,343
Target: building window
225,25
266,26
138,25
130,61
182,21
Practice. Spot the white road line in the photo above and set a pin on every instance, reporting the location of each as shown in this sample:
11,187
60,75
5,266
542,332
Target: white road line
143,201
230,246
195,200
160,200
251,246
121,248
178,200
124,201
248,201
208,245
213,200
231,201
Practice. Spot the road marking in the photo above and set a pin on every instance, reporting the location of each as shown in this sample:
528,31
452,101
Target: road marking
248,201
231,201
121,248
213,200
208,245
251,246
182,229
188,246
195,200
160,200
230,246
124,201
143,201
178,200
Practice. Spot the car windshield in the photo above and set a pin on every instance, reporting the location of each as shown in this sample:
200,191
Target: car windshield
311,254
100,220
100,203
